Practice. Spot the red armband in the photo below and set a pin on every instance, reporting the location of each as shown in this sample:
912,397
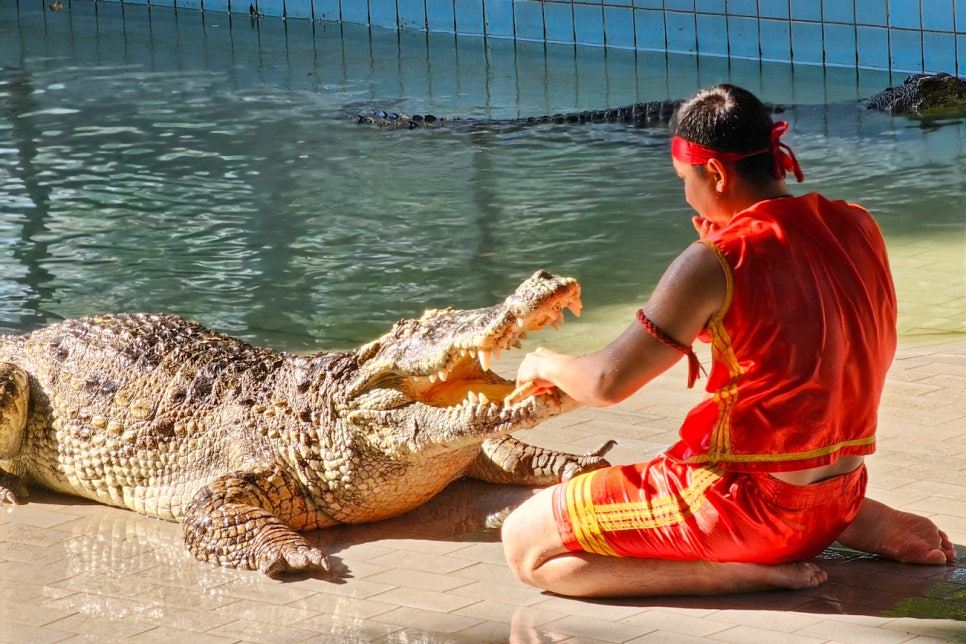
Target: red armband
694,365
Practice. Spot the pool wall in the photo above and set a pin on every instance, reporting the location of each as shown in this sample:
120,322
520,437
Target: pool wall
894,35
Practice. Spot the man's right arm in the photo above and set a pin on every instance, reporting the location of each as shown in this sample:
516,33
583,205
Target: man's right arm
691,291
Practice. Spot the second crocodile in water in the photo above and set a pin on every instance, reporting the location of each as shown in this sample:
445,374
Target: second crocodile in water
247,447
922,96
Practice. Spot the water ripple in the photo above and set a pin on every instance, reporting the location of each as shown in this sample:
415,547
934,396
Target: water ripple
232,189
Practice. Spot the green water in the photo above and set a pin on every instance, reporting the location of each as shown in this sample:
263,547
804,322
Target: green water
169,161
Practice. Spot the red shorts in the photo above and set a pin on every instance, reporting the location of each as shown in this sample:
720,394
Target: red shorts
668,510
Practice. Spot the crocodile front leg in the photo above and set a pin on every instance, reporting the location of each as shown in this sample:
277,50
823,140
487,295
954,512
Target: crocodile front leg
509,461
250,520
14,396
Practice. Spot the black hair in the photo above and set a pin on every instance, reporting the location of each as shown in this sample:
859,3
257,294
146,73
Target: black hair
728,118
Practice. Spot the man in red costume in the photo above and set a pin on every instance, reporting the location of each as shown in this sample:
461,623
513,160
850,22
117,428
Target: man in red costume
796,298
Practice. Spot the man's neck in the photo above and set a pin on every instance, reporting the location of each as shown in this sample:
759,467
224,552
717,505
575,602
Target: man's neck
748,195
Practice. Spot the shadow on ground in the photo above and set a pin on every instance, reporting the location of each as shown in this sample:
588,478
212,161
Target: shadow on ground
859,584
110,540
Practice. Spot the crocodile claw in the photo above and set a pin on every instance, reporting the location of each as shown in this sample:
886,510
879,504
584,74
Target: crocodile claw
294,557
12,489
588,462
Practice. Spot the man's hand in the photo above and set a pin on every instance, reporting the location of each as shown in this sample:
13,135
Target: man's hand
703,226
524,390
529,379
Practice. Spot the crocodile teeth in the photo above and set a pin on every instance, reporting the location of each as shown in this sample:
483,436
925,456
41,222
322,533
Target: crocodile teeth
485,358
480,402
516,344
432,378
442,375
576,307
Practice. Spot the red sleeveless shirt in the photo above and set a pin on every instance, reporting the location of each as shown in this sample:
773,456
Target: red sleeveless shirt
801,347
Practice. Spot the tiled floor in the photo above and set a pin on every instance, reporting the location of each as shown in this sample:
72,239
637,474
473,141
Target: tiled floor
74,571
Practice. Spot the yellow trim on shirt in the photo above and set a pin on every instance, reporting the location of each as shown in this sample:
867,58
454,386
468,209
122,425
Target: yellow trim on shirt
723,352
782,457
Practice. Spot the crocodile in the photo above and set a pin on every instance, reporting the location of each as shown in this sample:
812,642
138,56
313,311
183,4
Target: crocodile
923,95
649,114
248,447
920,95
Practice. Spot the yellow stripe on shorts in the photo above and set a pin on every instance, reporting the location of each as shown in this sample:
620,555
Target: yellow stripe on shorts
591,521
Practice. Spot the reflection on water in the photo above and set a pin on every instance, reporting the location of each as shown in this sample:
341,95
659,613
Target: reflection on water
204,166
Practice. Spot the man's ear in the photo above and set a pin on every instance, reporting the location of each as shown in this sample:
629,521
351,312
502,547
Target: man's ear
718,173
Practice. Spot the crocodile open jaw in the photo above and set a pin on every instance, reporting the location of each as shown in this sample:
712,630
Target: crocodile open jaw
444,359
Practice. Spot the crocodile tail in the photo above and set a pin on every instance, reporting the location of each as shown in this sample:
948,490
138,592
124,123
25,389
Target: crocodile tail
398,120
637,114
646,114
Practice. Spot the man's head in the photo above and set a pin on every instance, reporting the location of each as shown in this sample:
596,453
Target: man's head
729,119
728,152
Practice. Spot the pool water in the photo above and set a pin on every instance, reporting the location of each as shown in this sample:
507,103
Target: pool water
158,160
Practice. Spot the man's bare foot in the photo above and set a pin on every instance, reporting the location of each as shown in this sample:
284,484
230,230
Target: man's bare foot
905,537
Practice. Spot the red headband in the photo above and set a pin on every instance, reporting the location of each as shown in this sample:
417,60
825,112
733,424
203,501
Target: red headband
687,152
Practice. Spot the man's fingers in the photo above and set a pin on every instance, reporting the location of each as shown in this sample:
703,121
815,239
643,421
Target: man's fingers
524,390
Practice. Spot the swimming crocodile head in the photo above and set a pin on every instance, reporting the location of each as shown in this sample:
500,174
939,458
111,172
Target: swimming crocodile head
433,374
928,95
